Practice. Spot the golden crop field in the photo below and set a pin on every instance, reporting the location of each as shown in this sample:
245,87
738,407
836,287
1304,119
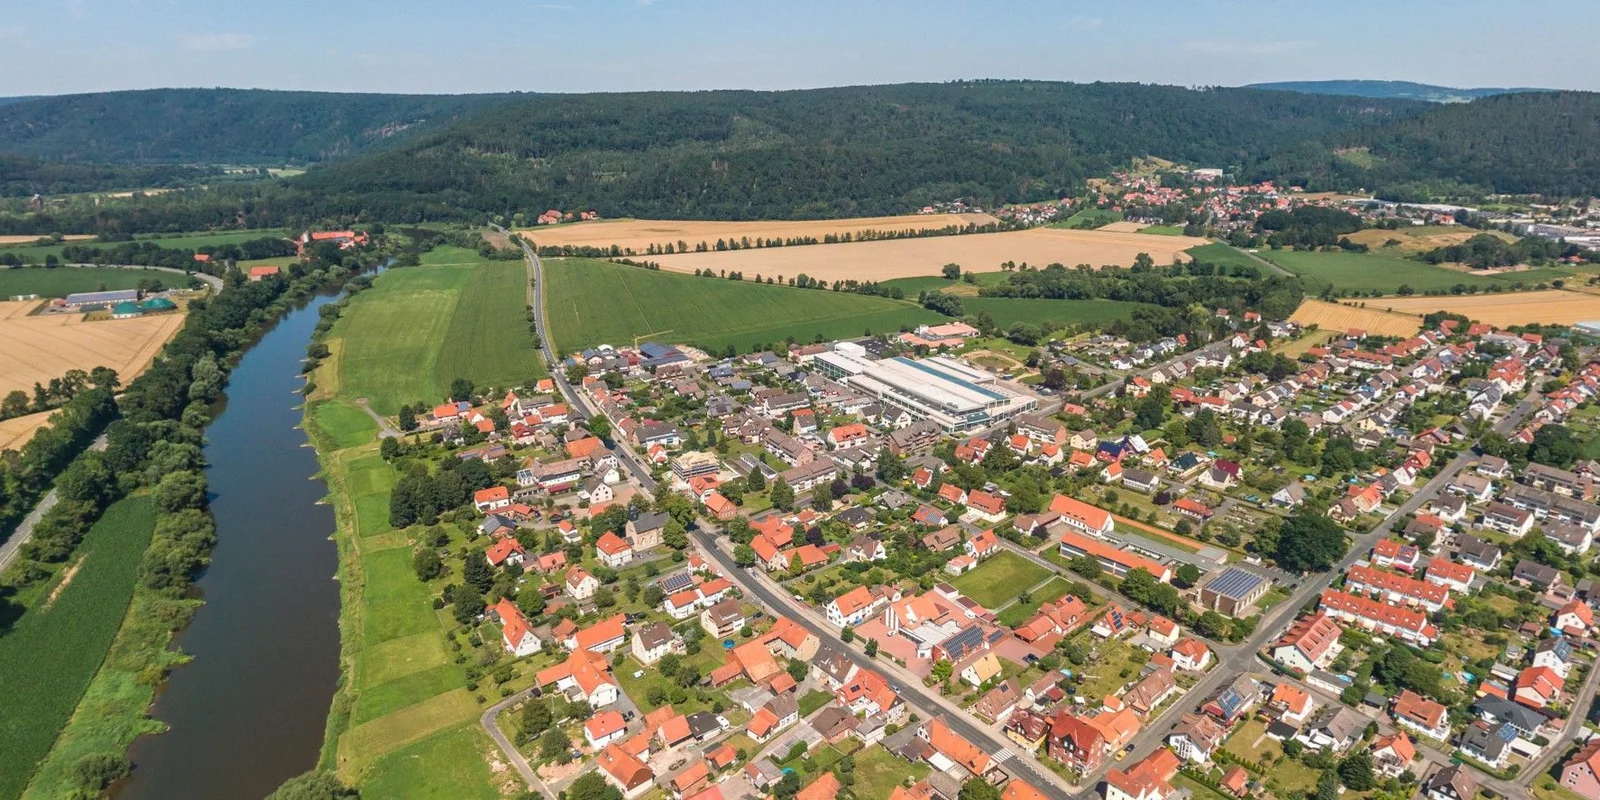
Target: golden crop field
15,432
1373,319
71,237
1555,306
1419,238
1123,227
911,258
34,349
639,234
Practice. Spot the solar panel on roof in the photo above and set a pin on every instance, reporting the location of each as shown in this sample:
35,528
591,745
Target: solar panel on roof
1235,582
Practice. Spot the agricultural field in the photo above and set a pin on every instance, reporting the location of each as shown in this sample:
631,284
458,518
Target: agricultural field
1339,317
638,234
11,240
419,328
39,348
1555,306
1090,218
1367,272
32,252
1007,311
15,432
62,281
1418,238
41,677
591,302
906,258
915,286
1224,255
1000,578
1162,230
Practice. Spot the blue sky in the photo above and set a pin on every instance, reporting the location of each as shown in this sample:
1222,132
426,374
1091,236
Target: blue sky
62,46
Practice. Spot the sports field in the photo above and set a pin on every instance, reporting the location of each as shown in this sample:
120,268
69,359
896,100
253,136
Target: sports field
49,655
1554,307
419,328
1375,272
38,348
62,281
1372,319
593,302
639,234
908,258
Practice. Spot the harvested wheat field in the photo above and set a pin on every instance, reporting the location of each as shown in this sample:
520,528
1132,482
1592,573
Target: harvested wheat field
1555,306
15,432
911,258
1419,238
1123,227
1373,319
639,234
71,237
36,349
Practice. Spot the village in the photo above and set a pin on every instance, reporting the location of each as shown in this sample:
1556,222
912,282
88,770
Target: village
881,563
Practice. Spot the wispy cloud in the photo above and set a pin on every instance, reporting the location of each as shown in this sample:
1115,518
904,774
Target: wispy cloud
1216,47
1083,23
211,42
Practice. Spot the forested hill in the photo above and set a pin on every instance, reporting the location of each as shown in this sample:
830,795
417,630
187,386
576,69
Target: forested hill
827,152
228,126
1541,142
1389,90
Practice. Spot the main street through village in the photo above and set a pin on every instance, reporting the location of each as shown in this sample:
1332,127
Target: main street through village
1232,659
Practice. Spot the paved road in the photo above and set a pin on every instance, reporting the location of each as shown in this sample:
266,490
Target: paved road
1239,658
386,430
760,588
214,281
492,727
24,530
577,400
1107,388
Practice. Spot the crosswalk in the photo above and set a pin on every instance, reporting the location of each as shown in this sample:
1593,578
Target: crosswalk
1004,755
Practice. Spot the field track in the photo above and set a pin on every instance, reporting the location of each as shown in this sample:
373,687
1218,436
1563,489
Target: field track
38,348
1555,306
639,234
1372,319
910,258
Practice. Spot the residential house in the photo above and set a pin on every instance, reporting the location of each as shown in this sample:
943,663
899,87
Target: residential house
1422,715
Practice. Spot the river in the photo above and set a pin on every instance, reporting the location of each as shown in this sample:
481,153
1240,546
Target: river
251,708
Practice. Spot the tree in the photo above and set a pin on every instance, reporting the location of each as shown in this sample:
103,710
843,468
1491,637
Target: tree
427,564
407,419
782,495
1556,446
181,490
313,785
798,669
978,789
756,481
1188,575
1150,413
744,555
674,535
872,648
536,718
467,606
96,771
1327,786
1355,772
821,499
1309,542
477,572
951,271
553,743
590,786
460,390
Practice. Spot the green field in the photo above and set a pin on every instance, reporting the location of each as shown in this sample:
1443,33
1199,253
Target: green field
446,766
62,281
915,286
878,771
1223,255
1371,271
49,656
420,327
174,241
1089,218
1007,311
1163,230
591,302
999,578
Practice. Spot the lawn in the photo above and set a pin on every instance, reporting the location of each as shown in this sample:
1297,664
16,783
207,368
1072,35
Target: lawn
1105,674
1089,218
1021,612
418,328
813,700
345,424
1000,578
592,302
49,655
878,771
1372,271
1290,773
62,281
1007,311
449,765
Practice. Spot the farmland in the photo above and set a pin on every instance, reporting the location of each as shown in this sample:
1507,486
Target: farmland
67,280
178,241
1368,272
591,302
1090,218
10,240
42,676
1418,238
638,234
16,431
39,348
420,327
1554,307
1224,256
906,258
1337,317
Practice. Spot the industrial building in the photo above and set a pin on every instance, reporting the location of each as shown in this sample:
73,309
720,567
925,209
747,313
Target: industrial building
952,395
